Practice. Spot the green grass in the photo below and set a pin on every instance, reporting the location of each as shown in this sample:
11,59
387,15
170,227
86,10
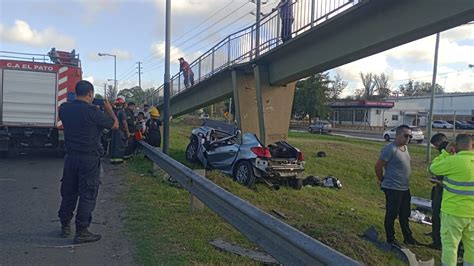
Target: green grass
165,232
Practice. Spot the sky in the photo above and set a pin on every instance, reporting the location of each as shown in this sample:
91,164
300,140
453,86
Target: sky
134,31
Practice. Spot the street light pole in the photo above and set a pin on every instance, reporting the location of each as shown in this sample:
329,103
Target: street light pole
433,86
115,66
166,92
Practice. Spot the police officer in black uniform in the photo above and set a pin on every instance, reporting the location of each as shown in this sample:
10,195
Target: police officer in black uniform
83,123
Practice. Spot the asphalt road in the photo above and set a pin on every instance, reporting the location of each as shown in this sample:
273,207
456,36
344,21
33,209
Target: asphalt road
29,227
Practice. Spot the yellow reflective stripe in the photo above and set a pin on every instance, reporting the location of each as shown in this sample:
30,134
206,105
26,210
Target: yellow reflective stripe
458,183
459,192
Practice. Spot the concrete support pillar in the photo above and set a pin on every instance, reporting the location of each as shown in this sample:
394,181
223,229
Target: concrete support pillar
260,107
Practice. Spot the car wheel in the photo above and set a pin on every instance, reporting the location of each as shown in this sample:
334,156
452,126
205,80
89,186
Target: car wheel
444,127
310,130
243,173
296,183
386,137
419,141
191,152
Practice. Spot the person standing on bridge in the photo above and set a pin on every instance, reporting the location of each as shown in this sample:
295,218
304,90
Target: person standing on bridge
393,171
83,124
188,73
285,10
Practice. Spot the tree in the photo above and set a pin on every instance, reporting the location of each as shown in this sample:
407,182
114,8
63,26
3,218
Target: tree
368,81
312,96
336,87
382,85
111,93
134,94
412,88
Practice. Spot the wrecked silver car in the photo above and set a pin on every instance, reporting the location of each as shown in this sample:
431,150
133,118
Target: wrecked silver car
217,145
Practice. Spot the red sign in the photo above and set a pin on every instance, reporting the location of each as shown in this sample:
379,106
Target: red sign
22,65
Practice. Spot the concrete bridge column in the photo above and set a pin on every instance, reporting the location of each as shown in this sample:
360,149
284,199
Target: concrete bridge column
260,107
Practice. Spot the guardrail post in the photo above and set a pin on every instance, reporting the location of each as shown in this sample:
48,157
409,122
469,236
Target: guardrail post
195,203
313,2
179,83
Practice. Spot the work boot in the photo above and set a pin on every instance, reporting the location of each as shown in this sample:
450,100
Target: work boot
84,236
412,241
65,229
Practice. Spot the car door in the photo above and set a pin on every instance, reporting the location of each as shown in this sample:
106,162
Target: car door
222,157
392,132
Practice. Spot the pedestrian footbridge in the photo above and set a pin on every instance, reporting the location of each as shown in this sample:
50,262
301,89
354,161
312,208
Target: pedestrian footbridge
260,73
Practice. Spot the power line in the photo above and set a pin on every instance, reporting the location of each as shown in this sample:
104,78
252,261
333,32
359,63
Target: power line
206,28
217,12
194,28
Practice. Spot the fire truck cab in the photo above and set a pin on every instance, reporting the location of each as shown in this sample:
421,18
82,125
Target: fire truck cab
32,87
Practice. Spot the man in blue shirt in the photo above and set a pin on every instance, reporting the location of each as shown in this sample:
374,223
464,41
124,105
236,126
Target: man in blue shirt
83,123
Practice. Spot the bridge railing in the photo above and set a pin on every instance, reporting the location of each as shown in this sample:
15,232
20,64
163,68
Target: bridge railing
241,47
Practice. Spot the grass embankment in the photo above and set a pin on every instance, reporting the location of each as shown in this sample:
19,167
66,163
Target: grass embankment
164,230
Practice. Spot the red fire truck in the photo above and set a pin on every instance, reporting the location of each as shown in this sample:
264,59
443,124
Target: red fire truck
32,87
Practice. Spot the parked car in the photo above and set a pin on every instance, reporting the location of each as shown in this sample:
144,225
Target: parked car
459,124
322,126
416,132
470,124
441,124
217,145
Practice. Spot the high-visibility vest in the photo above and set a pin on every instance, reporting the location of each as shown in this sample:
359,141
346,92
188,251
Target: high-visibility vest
458,182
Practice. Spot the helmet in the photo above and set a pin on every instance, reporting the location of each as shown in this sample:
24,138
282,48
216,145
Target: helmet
154,111
119,101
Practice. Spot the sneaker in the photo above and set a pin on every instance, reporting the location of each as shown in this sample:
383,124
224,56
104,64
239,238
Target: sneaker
65,230
84,236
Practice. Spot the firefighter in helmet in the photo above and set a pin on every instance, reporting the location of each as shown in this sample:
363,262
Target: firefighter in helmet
153,128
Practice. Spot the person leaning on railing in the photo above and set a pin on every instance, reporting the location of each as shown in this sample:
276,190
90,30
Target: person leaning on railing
188,73
457,206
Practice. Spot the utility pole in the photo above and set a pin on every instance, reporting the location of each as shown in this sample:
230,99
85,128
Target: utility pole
433,86
139,74
166,88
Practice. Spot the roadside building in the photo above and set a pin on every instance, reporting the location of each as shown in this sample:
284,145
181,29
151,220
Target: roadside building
410,110
360,113
413,110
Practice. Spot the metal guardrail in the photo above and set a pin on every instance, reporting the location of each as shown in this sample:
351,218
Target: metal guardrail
240,47
285,243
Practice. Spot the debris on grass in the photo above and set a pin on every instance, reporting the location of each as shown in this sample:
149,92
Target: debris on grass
279,213
252,254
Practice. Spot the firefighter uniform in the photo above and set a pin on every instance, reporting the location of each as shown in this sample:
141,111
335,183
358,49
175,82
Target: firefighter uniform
83,124
118,142
457,207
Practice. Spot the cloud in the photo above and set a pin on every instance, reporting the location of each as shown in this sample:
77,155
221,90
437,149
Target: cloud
461,32
375,64
22,33
187,6
450,51
120,53
93,9
158,50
